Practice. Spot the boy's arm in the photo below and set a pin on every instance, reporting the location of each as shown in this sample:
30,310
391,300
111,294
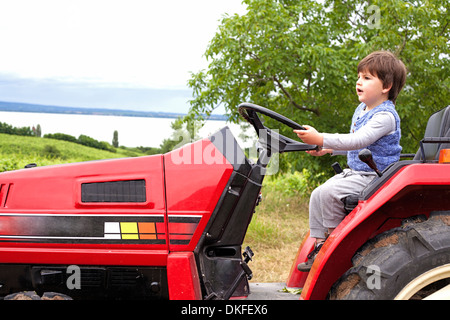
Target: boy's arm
381,124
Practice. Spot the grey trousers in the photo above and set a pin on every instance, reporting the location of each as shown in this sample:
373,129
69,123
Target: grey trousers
326,210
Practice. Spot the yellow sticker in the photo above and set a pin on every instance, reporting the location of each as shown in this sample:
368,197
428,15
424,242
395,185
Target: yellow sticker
128,227
130,236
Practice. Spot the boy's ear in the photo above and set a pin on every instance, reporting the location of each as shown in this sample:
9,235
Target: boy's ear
387,88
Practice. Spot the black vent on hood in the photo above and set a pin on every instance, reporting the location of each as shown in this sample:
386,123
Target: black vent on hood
114,191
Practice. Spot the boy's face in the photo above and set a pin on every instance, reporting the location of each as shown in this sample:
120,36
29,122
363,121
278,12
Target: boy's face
369,89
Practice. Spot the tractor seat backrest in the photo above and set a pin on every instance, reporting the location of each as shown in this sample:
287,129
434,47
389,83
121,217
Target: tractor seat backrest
438,126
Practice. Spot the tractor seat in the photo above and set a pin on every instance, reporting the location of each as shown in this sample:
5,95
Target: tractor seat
438,126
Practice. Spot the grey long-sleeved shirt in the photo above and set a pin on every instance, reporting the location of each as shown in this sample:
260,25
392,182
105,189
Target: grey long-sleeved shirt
381,124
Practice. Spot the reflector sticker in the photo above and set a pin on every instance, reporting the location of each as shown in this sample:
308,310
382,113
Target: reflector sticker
182,228
130,230
83,228
97,228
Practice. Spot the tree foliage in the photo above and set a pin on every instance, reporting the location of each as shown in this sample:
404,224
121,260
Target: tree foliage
83,140
299,59
20,131
183,133
115,141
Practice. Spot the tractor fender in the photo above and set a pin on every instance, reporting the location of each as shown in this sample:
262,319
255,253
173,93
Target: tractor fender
416,189
297,278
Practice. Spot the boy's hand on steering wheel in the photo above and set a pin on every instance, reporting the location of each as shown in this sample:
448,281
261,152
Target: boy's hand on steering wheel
319,153
310,135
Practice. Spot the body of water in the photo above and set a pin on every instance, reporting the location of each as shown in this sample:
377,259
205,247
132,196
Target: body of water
133,131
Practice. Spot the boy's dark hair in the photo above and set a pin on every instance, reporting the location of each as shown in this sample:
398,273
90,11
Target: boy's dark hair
388,68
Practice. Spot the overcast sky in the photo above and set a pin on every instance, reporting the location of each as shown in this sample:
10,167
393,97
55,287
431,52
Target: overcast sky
72,52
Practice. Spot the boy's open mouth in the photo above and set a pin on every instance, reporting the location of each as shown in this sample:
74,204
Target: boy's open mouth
359,91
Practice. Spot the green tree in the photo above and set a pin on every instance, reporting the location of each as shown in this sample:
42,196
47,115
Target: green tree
299,58
61,136
183,132
115,141
20,131
37,131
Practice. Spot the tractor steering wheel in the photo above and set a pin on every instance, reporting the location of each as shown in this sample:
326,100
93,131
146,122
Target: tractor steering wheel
270,139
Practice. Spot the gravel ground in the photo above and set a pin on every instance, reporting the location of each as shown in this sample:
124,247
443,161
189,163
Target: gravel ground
270,291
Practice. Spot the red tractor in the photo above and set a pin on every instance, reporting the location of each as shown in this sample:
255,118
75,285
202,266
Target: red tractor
171,226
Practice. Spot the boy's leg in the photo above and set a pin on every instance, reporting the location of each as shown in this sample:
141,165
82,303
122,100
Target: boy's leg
318,197
350,183
326,209
317,230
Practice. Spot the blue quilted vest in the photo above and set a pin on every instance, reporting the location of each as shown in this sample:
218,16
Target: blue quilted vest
385,150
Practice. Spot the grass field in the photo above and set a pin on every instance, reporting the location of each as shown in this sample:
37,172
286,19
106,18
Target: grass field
18,151
277,227
277,230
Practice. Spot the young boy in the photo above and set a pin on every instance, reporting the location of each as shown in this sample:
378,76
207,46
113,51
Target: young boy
375,125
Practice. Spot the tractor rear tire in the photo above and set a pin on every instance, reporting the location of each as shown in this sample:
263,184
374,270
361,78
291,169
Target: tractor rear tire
409,262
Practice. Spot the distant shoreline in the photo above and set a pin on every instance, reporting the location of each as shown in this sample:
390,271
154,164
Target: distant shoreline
38,108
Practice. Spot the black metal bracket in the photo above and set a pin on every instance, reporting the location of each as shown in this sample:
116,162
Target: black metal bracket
431,140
